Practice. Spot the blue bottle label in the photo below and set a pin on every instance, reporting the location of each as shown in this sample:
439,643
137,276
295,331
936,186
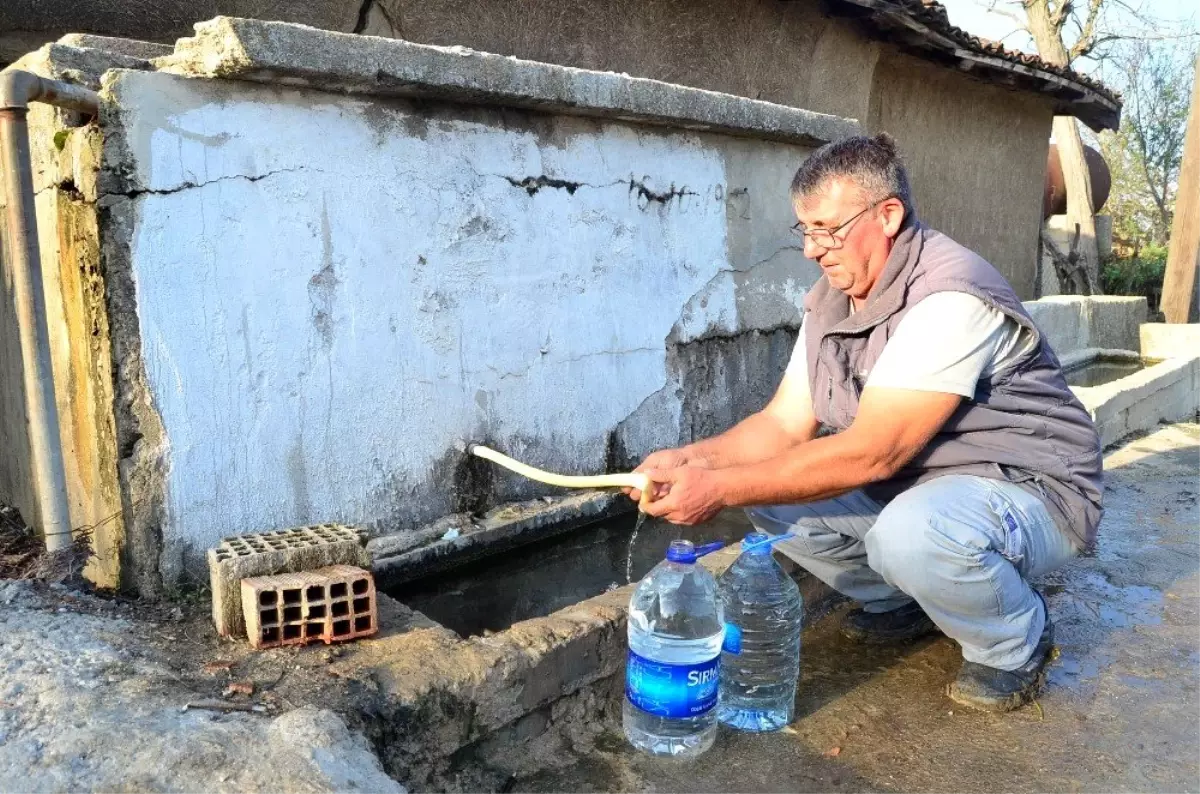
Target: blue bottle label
674,691
733,639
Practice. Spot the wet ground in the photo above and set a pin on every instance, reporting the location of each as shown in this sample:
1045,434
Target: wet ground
1121,711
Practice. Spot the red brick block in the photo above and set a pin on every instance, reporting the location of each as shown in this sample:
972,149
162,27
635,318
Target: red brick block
330,604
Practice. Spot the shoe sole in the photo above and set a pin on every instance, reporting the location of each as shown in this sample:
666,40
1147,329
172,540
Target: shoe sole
998,705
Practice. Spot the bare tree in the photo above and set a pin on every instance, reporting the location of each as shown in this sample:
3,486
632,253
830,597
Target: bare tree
1064,32
1157,86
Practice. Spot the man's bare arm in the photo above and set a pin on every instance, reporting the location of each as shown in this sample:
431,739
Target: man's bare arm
891,428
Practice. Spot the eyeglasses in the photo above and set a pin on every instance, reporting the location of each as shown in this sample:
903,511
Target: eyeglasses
826,237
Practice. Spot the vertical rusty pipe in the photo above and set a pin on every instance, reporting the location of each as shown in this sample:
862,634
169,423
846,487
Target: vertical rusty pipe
17,90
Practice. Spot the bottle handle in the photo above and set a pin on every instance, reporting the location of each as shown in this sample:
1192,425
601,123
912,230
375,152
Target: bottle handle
709,548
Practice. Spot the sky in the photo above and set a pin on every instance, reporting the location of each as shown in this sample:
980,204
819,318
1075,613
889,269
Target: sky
973,16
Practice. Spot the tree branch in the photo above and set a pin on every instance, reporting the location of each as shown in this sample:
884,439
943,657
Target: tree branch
1060,15
1073,277
1015,17
1087,34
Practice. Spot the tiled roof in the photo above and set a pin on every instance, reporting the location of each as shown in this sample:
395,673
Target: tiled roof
924,26
934,14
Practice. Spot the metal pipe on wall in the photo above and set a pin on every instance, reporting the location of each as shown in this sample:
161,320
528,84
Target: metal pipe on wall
17,89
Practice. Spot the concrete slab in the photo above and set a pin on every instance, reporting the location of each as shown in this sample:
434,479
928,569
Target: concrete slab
1169,340
279,52
1119,712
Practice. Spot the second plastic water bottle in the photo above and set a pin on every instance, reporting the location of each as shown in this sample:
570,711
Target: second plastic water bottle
672,674
761,660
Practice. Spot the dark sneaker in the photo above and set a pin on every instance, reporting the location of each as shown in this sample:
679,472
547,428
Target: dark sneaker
989,689
878,628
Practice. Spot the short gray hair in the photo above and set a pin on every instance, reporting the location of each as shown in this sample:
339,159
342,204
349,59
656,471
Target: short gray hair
871,163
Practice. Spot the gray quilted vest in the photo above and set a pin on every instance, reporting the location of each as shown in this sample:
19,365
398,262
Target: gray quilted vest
1024,425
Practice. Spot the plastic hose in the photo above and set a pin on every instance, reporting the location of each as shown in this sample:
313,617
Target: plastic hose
636,480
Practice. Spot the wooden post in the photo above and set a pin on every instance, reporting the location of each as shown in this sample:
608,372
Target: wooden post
1183,257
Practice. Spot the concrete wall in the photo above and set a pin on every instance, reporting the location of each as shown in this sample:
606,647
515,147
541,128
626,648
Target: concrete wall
65,159
322,297
978,174
976,155
1073,323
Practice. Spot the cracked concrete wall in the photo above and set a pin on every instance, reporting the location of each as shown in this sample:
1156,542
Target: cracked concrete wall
65,159
321,297
978,174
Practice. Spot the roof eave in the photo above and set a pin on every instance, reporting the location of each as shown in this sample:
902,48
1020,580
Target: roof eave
884,22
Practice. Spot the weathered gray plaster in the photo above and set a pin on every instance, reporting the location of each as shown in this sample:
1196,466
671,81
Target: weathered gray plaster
976,156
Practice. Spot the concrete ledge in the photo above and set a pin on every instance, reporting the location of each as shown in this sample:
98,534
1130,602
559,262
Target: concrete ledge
1079,358
133,48
455,540
1165,392
1075,322
278,52
1163,340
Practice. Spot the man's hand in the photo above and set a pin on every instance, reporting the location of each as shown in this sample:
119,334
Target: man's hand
686,494
663,459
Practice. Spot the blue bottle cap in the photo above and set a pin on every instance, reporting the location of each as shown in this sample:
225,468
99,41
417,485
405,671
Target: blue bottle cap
757,543
681,551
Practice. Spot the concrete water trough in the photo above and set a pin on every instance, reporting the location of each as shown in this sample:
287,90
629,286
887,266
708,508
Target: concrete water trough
1130,375
1130,392
514,651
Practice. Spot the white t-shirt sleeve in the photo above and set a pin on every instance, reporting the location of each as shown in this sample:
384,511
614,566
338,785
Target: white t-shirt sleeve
947,343
797,368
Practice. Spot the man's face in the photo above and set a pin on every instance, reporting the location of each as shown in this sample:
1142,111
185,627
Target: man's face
861,235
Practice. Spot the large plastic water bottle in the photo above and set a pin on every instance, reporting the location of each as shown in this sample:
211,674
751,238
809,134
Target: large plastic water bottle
761,660
673,670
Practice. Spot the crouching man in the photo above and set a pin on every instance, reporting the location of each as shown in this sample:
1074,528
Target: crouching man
961,465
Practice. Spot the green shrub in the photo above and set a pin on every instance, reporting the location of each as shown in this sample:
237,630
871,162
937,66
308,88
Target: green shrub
1136,275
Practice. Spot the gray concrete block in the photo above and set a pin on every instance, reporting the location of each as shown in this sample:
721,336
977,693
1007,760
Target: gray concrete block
1113,320
132,48
281,551
1075,322
1061,321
